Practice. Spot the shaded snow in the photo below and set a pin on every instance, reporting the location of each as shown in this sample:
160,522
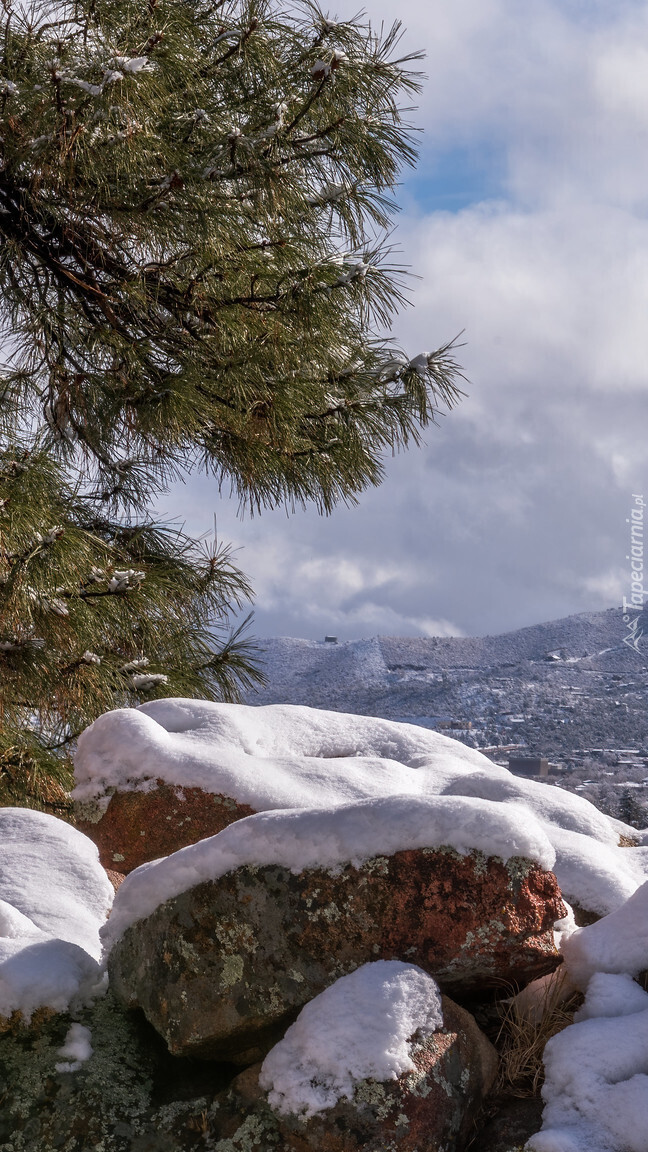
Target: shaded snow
54,897
612,995
596,1087
617,943
359,1028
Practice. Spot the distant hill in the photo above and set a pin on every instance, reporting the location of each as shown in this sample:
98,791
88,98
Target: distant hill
555,688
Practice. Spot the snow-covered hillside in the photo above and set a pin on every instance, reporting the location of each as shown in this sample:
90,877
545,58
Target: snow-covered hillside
569,689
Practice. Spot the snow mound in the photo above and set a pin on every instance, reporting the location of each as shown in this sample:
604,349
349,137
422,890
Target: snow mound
596,1087
290,757
612,995
278,756
358,1028
54,897
328,837
617,943
596,1084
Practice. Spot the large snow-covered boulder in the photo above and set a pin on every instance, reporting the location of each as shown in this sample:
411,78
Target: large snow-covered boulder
54,897
136,769
154,779
223,941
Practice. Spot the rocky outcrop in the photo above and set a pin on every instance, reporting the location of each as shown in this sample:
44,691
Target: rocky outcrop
130,1095
223,968
144,825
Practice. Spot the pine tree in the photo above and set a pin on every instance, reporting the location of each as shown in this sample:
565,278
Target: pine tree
99,613
632,810
195,268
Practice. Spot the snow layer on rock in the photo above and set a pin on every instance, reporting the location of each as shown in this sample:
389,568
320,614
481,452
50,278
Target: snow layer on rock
278,756
328,837
597,876
288,756
612,995
357,1029
617,943
54,897
596,1087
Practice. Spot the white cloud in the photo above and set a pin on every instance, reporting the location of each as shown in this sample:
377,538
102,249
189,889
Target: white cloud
515,511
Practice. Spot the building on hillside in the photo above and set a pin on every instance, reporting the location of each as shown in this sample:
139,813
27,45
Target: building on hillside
528,765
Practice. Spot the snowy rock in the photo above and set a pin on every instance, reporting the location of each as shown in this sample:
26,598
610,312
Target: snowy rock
278,756
289,756
130,1095
54,897
222,964
427,1100
329,837
359,1028
138,826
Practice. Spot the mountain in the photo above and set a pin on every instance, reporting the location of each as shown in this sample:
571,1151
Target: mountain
559,689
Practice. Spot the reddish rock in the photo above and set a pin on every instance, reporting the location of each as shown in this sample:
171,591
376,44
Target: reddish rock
116,878
432,1107
140,826
220,969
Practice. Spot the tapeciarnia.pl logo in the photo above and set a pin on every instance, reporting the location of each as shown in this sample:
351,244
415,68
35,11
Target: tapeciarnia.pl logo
633,607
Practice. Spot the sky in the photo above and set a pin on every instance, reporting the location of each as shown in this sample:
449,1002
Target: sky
527,222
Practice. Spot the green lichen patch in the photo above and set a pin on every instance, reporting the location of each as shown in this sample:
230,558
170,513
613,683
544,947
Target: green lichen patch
518,868
110,1104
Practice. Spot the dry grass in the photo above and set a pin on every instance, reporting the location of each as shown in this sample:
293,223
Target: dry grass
521,1040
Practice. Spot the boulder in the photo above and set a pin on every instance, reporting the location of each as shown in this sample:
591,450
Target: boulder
221,969
434,1106
139,826
130,1095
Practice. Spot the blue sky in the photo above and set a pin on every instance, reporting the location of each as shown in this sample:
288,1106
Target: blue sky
456,177
527,223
